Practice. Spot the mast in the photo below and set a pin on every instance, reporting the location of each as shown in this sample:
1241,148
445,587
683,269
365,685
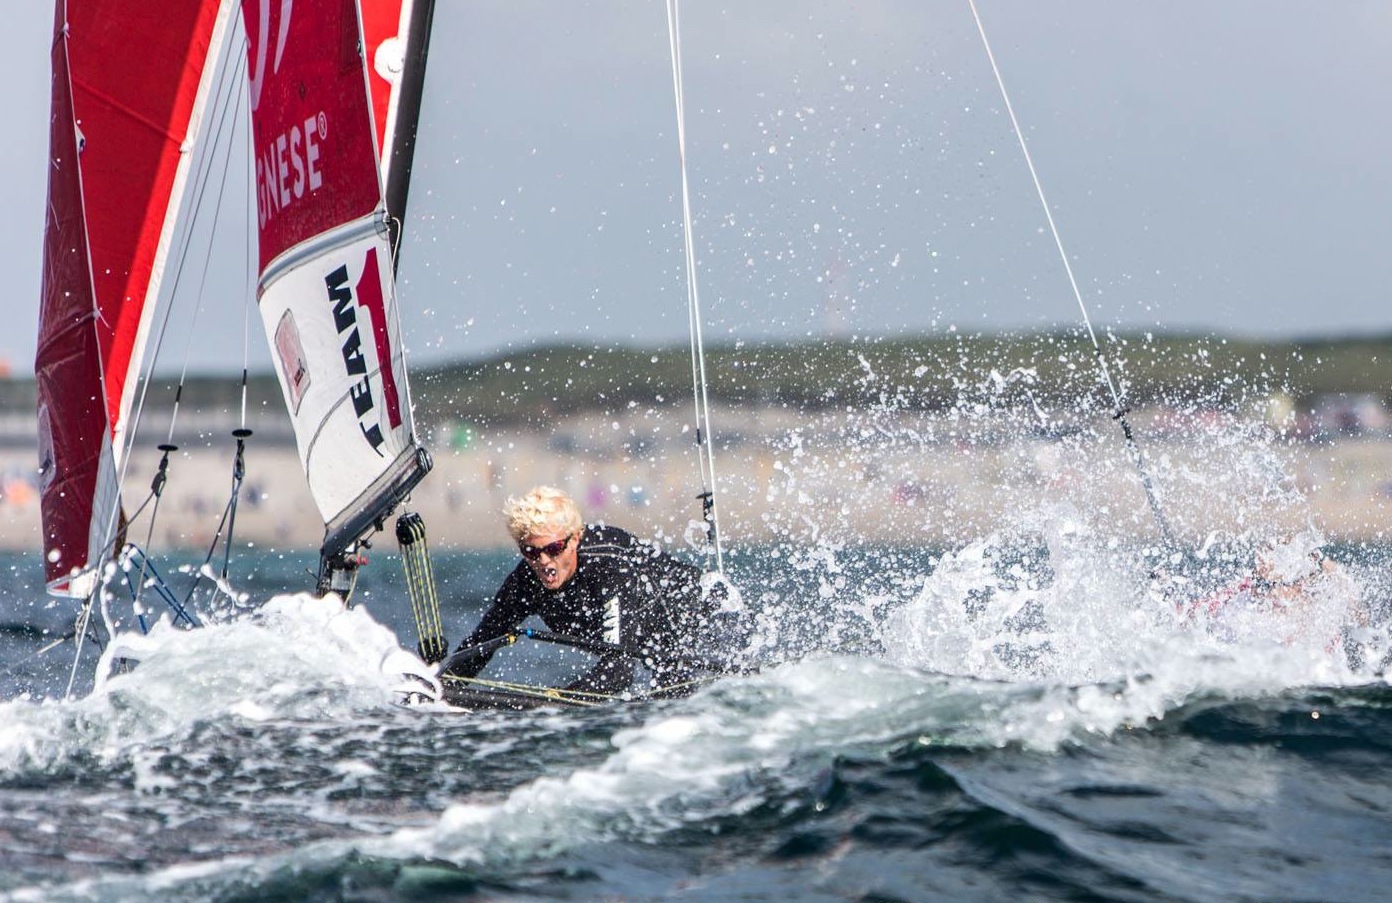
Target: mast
397,35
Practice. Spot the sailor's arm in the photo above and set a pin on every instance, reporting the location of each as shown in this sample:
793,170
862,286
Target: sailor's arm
503,616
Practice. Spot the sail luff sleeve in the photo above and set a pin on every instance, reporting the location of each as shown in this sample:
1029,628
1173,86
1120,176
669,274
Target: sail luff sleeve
397,35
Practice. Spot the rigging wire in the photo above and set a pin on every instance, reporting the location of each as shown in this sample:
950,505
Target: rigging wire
230,81
230,100
1119,409
242,432
704,449
238,475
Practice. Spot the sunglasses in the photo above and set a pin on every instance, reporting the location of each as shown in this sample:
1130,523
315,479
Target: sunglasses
551,550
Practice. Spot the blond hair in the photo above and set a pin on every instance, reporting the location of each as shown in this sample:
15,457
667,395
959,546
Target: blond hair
542,511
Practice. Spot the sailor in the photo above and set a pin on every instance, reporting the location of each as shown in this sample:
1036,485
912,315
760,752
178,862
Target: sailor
1294,593
1272,582
604,586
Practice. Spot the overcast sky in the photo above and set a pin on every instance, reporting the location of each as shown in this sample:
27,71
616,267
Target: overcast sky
1220,165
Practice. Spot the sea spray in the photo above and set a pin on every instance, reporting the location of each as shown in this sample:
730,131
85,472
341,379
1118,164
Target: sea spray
296,657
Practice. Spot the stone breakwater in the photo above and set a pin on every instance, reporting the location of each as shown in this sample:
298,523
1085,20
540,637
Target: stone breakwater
778,478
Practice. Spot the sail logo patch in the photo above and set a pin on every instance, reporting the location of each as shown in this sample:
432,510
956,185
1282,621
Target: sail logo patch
48,461
289,166
612,624
290,353
345,300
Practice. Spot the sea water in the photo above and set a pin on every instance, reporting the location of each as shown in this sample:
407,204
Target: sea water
1020,717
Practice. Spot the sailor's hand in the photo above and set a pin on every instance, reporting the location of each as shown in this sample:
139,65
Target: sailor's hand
432,649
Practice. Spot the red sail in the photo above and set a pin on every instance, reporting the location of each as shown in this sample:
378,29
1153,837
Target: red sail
126,84
316,167
384,34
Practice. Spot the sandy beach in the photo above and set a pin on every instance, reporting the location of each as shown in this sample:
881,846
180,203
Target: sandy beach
778,476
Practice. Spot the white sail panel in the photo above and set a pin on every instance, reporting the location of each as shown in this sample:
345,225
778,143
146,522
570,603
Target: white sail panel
333,327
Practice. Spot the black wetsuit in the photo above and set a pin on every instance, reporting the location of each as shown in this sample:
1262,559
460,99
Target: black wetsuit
624,592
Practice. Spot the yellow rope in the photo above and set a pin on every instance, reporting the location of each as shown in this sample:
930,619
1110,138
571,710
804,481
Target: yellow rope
574,697
420,586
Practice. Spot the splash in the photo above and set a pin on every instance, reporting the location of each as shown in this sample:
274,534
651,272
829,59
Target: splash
1063,611
1004,533
297,657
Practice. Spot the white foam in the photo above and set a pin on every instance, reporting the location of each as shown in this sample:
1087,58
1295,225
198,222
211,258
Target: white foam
298,656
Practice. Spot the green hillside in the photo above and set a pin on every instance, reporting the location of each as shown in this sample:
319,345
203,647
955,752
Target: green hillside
922,373
933,372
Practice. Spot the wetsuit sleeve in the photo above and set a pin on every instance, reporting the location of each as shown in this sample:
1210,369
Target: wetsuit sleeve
507,611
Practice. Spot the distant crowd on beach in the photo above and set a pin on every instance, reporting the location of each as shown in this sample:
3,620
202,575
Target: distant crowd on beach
19,487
